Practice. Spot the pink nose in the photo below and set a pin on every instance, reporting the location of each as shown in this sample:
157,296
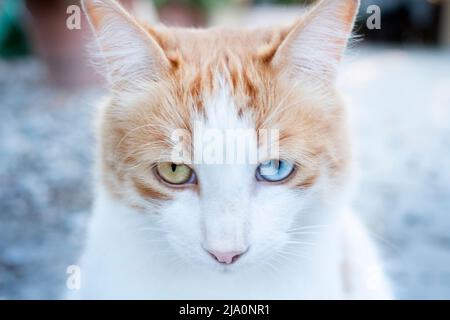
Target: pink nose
226,257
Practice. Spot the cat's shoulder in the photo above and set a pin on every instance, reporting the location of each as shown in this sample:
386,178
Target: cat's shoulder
362,269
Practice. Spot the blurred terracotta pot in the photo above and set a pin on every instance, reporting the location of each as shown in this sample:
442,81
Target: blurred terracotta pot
181,15
62,50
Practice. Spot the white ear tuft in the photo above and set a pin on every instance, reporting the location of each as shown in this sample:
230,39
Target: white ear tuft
315,44
128,54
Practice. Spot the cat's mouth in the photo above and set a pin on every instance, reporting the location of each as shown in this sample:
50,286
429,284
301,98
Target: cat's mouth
227,268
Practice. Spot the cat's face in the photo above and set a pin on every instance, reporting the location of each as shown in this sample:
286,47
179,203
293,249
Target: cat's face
180,96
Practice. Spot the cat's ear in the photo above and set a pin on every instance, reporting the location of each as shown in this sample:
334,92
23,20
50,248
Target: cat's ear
131,56
315,44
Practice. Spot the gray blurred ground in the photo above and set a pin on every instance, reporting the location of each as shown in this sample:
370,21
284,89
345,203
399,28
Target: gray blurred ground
401,115
45,184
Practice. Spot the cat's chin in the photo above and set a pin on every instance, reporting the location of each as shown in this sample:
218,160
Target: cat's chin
230,269
224,269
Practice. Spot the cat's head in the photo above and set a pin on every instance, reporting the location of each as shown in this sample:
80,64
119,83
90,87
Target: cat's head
179,97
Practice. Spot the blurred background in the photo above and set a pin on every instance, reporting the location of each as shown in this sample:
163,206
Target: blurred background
397,80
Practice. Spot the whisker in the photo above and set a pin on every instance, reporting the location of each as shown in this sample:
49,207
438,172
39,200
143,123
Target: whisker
301,232
309,227
148,229
300,242
294,254
154,240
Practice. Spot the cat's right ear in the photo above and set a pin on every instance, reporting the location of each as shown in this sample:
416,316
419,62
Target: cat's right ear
128,55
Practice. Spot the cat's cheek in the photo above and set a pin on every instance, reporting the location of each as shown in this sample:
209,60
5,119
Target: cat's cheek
274,211
180,220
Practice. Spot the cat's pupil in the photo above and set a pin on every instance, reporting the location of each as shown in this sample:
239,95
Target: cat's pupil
174,167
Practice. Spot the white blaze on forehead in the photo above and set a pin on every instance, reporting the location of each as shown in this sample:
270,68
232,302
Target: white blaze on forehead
222,135
226,183
221,165
222,112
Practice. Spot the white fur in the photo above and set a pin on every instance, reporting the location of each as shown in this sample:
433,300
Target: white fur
125,260
301,244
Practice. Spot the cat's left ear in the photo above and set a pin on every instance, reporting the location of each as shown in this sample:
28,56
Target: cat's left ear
315,44
132,57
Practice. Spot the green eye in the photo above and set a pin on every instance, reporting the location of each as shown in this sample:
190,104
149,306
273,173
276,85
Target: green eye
176,174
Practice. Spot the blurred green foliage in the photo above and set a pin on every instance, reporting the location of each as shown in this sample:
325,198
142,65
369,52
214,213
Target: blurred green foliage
13,40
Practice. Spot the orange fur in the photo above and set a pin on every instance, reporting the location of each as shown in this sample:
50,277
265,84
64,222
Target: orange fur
310,117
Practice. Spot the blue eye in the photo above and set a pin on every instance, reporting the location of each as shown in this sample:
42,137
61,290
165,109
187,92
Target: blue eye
274,170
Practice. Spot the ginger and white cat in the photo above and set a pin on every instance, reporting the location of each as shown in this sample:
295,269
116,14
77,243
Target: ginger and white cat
186,229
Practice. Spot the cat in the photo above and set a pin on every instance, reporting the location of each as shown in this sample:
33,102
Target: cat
165,226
